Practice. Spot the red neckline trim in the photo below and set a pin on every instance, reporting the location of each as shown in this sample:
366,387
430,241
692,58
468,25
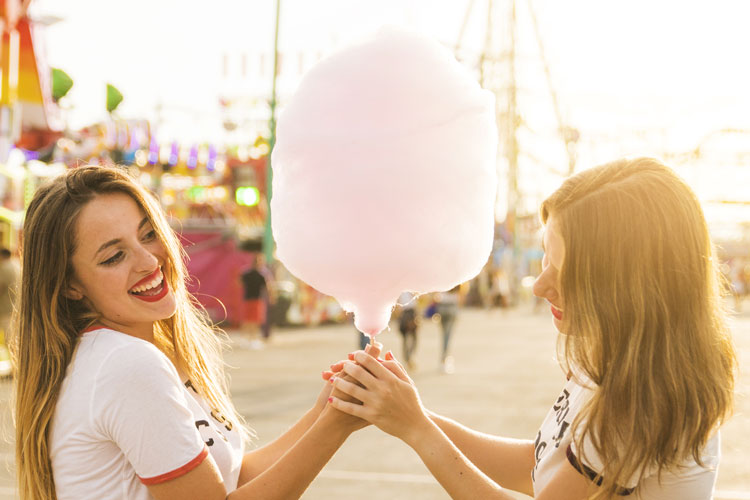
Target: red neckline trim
148,481
92,328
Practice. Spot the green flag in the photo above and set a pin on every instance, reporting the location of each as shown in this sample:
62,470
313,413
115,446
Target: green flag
114,98
61,84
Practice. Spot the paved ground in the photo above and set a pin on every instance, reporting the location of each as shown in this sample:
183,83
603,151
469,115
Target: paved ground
505,380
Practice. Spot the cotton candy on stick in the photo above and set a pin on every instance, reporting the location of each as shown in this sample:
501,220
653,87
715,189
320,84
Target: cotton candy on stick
384,175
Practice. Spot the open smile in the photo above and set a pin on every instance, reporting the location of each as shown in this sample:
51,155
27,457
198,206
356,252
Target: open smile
151,288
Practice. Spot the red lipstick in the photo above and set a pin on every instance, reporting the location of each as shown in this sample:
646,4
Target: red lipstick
156,292
557,313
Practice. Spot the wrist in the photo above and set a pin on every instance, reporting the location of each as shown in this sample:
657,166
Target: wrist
431,414
420,431
311,415
333,424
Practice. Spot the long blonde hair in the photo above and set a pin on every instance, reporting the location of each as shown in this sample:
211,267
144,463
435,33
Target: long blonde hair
47,324
643,317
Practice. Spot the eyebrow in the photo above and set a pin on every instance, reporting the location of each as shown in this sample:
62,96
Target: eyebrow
115,241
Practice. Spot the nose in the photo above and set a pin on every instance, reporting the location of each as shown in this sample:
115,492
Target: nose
545,286
146,260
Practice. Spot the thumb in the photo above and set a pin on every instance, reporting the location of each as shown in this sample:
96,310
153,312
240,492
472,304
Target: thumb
374,348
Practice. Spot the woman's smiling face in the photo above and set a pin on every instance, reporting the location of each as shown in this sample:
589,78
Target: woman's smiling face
547,285
118,266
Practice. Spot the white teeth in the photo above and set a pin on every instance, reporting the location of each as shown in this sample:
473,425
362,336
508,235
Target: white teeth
151,284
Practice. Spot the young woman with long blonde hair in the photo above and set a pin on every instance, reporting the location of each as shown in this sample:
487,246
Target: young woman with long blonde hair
119,382
631,278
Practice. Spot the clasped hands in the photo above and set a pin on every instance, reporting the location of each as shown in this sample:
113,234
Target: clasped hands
368,390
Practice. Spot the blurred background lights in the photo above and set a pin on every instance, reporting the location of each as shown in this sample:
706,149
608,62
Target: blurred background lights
247,196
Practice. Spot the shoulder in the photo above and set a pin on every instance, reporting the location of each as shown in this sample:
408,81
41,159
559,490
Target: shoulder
125,360
132,382
116,344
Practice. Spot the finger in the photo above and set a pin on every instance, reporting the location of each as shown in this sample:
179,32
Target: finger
374,348
353,354
346,407
372,366
344,397
351,389
361,375
397,369
401,372
327,374
336,367
348,378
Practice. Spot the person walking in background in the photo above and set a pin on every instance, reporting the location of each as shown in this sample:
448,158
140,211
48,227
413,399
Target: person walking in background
634,291
408,324
255,296
270,296
9,274
447,308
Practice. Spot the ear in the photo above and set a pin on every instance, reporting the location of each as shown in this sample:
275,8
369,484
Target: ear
73,292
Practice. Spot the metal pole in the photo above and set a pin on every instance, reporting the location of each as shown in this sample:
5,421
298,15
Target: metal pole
268,244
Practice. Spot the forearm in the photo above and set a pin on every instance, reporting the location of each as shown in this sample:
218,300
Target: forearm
293,472
507,461
257,461
454,471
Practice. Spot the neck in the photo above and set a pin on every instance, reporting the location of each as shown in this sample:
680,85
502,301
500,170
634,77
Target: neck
143,331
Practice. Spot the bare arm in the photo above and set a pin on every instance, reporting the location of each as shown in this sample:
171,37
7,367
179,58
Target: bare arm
257,461
285,479
290,476
506,461
282,469
392,403
463,480
453,470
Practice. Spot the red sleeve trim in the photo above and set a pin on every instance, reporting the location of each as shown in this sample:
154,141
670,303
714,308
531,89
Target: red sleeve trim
148,481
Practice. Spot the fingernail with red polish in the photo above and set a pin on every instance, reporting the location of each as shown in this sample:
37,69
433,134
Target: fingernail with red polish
331,379
351,356
330,400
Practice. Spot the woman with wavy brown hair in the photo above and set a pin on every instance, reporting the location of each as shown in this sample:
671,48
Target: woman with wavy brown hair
631,278
119,382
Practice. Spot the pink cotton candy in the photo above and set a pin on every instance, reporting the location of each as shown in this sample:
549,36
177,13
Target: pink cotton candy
384,175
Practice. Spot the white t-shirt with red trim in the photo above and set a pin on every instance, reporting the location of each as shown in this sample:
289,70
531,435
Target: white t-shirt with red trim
125,419
555,448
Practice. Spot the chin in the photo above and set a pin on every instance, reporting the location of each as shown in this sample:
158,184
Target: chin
558,324
170,305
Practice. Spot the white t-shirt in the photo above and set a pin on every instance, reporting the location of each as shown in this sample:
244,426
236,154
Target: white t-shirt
554,448
125,420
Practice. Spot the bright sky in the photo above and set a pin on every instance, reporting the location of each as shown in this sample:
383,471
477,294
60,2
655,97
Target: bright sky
641,77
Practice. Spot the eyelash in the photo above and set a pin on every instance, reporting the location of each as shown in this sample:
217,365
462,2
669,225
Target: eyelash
150,236
113,260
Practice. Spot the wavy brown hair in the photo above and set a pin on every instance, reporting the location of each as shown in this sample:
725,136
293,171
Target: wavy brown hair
47,324
644,319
